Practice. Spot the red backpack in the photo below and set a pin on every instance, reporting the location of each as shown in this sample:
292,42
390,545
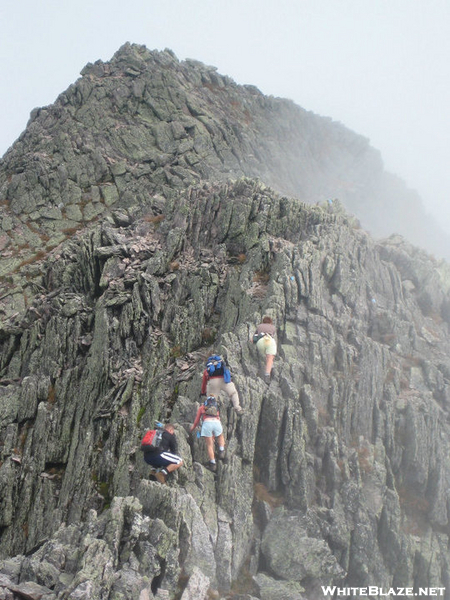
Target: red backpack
151,440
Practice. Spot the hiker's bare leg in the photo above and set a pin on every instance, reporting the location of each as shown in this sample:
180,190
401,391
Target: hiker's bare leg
173,467
269,362
210,447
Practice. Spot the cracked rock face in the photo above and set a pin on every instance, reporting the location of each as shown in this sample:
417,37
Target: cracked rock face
337,472
132,130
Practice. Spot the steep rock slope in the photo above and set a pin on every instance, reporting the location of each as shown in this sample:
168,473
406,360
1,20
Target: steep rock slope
145,123
337,474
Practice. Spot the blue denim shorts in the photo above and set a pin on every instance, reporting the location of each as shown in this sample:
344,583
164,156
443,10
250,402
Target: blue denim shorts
211,427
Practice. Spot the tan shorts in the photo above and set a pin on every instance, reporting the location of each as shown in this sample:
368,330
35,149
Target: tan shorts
216,385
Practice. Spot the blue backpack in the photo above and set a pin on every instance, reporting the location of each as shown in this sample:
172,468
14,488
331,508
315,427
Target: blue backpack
216,366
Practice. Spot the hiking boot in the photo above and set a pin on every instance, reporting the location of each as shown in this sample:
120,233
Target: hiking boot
239,410
221,454
267,378
160,476
211,467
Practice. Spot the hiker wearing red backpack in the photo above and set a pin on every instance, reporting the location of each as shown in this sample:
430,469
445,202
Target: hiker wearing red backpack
162,455
209,415
217,378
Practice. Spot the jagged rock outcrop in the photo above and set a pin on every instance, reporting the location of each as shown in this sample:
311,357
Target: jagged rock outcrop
337,473
345,450
145,123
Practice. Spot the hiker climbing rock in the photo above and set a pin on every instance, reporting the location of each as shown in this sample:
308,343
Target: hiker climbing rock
217,378
161,453
209,415
265,340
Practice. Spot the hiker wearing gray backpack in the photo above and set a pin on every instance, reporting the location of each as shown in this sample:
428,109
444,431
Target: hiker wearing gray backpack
264,338
209,415
217,378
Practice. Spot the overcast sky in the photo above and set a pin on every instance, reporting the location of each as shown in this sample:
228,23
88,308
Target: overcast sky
380,67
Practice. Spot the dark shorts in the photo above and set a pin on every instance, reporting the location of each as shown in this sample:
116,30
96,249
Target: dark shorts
161,460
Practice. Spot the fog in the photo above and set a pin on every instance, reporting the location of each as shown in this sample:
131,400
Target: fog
379,67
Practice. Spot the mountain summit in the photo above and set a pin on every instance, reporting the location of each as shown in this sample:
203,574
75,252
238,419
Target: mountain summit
145,123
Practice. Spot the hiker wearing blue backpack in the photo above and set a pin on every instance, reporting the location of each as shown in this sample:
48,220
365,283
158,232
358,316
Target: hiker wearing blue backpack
217,378
209,415
161,452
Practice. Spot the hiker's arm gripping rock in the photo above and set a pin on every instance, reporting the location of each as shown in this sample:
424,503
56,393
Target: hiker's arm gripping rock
197,418
170,442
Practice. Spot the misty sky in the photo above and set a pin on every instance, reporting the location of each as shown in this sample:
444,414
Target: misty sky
381,67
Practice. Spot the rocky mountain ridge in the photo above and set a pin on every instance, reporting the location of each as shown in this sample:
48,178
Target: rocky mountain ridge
337,473
145,124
